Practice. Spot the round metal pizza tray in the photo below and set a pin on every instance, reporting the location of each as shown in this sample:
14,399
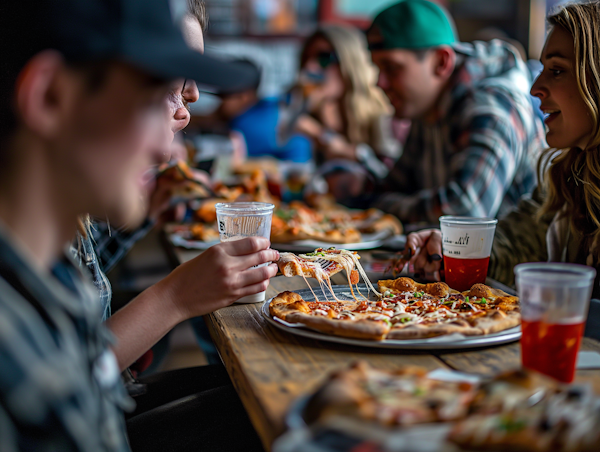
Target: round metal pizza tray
434,343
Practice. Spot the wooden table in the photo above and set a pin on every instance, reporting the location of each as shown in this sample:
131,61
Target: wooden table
270,368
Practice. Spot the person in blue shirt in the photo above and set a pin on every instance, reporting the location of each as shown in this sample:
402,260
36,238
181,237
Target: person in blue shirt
258,120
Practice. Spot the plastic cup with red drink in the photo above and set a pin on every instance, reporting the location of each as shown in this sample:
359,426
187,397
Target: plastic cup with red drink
554,300
466,244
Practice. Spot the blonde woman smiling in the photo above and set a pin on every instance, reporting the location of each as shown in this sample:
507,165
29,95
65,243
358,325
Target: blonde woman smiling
561,221
347,116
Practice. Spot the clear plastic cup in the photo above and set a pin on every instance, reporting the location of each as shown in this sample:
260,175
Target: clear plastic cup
238,220
554,303
467,244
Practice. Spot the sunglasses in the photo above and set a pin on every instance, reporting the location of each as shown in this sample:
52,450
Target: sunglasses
326,59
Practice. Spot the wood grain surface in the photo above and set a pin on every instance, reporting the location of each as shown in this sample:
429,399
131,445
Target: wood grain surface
271,369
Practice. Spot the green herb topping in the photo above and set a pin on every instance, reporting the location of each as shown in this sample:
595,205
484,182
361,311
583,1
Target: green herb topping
512,425
419,391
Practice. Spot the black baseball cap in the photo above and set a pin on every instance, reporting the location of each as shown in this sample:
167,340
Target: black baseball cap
142,33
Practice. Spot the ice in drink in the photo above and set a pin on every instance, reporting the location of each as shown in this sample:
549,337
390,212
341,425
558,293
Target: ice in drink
466,243
551,349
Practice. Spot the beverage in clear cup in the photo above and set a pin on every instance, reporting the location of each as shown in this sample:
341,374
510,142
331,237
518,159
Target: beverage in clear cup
466,244
554,302
238,220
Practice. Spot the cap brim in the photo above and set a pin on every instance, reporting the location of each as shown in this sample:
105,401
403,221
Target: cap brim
177,60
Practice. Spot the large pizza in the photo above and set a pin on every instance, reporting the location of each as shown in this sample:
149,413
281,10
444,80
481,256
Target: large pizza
397,309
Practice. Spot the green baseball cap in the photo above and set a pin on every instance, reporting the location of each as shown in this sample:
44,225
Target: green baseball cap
411,24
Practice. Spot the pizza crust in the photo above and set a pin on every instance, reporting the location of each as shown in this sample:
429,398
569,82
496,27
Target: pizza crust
285,303
289,265
361,328
491,322
437,289
422,331
495,321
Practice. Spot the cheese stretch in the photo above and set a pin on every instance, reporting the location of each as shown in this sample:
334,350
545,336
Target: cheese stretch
347,259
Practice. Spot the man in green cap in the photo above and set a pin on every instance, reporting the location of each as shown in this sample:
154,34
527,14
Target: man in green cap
474,137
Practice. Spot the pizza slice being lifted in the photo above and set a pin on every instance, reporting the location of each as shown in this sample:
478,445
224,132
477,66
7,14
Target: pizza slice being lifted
322,264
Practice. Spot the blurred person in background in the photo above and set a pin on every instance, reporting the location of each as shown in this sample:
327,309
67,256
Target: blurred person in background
256,119
474,137
560,222
337,105
83,117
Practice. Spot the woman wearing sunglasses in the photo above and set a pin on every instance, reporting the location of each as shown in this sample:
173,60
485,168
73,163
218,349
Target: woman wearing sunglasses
345,114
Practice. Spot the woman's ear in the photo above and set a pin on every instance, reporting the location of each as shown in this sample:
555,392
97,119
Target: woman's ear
43,92
445,62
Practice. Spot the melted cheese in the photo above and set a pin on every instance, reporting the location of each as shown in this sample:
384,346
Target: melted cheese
347,259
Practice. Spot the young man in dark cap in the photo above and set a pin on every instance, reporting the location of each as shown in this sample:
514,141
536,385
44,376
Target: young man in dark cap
475,137
83,114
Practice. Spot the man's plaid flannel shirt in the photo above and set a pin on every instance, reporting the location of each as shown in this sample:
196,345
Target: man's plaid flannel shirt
101,251
479,157
60,387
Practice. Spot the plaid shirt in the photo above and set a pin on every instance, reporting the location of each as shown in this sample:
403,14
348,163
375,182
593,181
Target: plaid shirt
60,387
111,245
101,252
479,157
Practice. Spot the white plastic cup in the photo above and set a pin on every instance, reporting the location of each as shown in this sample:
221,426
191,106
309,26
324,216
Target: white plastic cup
554,300
467,245
238,220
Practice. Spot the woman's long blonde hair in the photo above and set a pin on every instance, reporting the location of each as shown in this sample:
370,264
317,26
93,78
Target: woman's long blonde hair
572,180
363,100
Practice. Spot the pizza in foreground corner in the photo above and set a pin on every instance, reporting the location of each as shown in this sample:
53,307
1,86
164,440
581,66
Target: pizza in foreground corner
398,309
517,410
